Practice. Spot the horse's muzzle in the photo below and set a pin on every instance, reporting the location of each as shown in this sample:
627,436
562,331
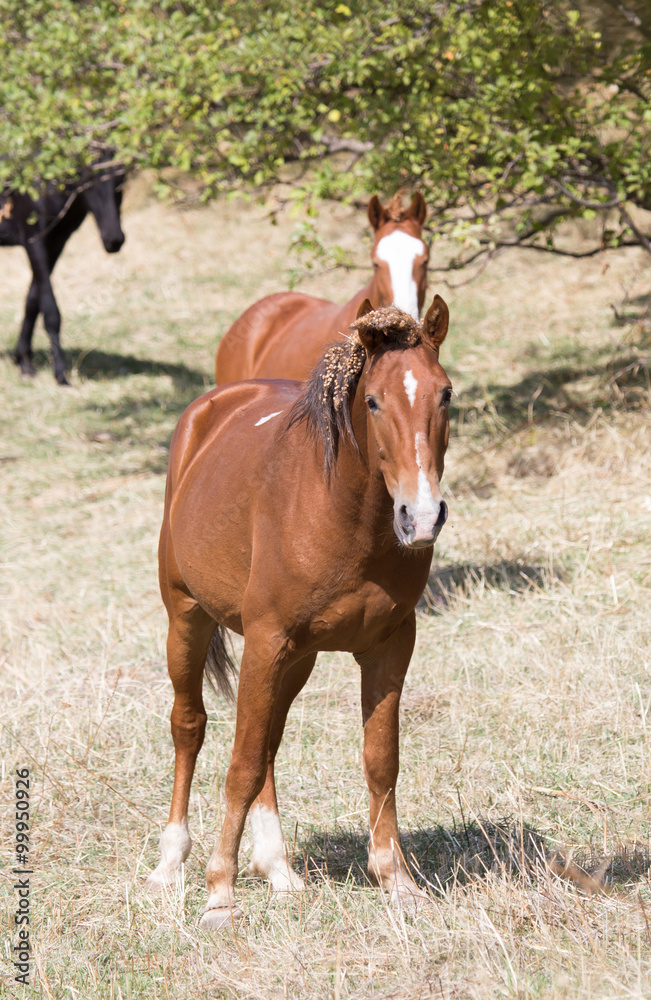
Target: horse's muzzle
114,243
412,532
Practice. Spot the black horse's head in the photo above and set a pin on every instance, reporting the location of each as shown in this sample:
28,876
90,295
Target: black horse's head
102,195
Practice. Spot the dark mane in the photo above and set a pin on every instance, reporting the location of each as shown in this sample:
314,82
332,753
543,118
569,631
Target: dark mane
326,400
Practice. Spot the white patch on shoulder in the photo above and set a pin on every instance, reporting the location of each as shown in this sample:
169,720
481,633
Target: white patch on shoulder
263,420
269,858
410,384
400,250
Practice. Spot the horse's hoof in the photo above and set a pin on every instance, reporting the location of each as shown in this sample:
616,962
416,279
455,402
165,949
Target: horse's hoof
25,364
62,380
282,883
409,901
161,879
282,877
221,916
152,887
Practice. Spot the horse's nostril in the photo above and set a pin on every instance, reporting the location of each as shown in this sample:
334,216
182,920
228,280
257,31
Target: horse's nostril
404,518
443,515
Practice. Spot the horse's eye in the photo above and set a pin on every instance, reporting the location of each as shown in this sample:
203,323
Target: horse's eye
372,405
446,396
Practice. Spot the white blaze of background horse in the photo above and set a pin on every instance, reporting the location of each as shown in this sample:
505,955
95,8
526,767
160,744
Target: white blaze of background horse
399,251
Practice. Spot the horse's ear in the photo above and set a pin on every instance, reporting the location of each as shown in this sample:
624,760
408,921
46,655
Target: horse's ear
376,213
436,322
364,308
371,338
418,209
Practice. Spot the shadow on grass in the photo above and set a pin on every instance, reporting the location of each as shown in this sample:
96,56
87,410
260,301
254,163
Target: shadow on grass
580,382
102,365
633,309
443,857
438,856
146,418
448,584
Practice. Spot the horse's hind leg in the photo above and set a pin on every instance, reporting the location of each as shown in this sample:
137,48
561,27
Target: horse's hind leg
190,632
383,673
269,858
23,348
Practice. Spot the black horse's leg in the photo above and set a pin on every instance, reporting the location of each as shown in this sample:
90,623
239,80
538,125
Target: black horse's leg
42,264
23,349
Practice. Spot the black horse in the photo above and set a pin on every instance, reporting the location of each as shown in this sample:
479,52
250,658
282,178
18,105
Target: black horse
43,227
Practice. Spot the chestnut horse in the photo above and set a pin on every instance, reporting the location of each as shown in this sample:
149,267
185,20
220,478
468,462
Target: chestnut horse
302,516
284,335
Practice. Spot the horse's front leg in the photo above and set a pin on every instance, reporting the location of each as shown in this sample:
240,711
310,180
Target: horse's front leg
269,858
383,672
264,662
41,268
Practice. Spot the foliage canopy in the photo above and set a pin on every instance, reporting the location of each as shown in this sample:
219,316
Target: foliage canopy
509,115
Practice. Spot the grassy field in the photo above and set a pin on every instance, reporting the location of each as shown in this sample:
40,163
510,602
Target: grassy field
526,727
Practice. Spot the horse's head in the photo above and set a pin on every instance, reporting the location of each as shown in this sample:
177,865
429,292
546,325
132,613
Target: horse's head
383,385
102,196
407,395
399,254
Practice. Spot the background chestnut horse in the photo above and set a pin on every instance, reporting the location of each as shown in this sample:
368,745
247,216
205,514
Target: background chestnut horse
284,335
283,506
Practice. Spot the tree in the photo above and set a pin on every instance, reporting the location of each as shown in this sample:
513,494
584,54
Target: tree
510,115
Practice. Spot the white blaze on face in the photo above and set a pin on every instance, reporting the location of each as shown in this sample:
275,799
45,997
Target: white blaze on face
400,251
410,384
263,420
426,507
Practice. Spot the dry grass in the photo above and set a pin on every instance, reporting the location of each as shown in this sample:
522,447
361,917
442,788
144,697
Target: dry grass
526,754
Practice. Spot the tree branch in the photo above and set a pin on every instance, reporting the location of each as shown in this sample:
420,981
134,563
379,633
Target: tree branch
337,144
643,239
584,202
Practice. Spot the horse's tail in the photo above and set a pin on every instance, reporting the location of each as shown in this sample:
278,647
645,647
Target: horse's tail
220,668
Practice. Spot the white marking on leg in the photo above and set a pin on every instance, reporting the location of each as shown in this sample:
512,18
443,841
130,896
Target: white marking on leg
400,250
263,420
175,847
269,858
410,384
387,868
